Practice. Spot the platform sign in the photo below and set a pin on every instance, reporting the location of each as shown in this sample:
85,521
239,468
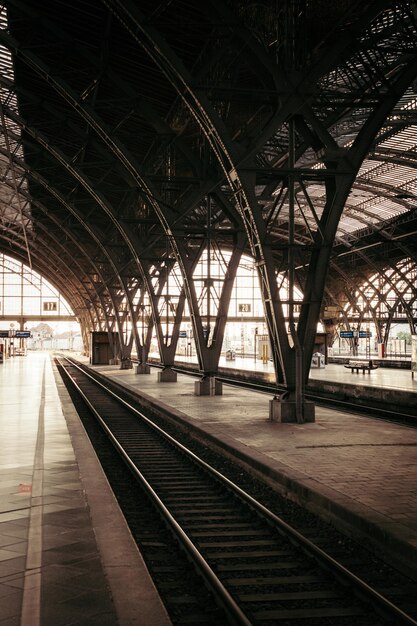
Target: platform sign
413,353
183,333
50,306
22,334
244,308
346,334
365,334
4,333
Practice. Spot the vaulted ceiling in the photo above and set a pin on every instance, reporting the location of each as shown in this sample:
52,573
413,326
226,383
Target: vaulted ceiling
135,133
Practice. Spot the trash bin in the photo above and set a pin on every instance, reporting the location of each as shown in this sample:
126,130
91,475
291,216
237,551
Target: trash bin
230,355
317,360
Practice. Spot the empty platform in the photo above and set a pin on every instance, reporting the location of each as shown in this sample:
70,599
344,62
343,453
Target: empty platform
66,554
358,472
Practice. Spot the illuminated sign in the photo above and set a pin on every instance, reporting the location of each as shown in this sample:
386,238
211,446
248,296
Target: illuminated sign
346,334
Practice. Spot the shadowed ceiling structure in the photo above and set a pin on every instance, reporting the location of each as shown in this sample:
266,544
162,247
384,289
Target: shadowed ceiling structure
136,135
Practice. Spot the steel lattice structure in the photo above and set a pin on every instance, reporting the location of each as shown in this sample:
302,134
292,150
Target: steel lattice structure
135,136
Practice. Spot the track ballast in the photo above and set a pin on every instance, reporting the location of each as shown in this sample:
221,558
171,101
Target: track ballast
257,568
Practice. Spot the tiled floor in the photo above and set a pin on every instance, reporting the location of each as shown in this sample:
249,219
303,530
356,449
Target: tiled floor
392,378
48,550
53,569
58,533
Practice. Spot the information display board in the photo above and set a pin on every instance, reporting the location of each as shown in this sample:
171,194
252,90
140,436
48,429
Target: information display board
346,334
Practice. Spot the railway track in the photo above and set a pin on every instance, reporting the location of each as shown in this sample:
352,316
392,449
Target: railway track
258,569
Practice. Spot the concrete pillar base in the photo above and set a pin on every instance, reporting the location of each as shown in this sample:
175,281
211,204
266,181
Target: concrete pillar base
143,368
126,364
113,361
167,375
209,386
284,411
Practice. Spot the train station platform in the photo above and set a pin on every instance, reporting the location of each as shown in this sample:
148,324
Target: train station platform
357,472
392,386
66,554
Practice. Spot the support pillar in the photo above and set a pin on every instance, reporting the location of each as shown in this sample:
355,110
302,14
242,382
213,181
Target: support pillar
281,409
114,361
143,368
126,364
167,375
208,386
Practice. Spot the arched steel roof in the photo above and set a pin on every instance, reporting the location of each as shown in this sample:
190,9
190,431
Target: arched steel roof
134,133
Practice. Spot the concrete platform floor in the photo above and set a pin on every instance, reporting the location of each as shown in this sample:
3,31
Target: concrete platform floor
390,378
60,524
66,554
358,472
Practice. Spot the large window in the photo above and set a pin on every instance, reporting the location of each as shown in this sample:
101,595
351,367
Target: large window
24,293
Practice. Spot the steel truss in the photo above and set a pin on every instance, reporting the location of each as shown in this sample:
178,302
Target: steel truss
239,129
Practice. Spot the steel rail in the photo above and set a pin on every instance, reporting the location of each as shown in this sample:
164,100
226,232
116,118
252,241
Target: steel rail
226,601
359,587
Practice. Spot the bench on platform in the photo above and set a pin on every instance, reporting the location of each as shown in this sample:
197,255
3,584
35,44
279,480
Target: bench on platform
365,366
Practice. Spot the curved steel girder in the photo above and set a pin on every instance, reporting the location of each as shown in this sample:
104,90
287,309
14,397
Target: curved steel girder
297,97
93,232
83,180
400,275
71,288
391,192
86,112
77,175
42,263
18,241
392,239
199,107
394,242
211,353
150,114
68,233
227,155
169,220
366,281
396,158
166,217
333,210
51,216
